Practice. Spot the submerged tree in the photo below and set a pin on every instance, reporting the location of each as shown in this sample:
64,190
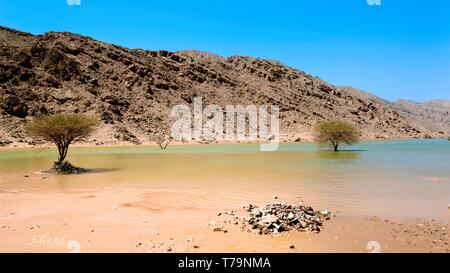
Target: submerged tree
162,132
62,130
163,136
336,133
163,141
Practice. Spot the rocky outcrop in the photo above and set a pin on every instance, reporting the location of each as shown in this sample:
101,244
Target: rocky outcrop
132,91
433,115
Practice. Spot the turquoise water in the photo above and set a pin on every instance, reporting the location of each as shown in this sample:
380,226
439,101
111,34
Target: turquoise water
406,179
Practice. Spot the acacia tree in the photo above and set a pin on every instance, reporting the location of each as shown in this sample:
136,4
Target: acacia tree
163,137
336,133
163,141
62,130
161,134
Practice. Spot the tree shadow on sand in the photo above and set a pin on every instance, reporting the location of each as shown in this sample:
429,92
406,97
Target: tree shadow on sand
101,170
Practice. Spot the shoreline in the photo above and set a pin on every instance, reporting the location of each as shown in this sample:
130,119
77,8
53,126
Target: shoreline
14,146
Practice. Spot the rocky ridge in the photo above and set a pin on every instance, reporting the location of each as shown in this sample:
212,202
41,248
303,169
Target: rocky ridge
132,90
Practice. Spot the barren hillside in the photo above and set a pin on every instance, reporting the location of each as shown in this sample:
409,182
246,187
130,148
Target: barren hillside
433,115
133,90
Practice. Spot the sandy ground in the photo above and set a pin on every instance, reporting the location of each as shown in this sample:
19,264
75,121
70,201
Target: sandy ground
135,221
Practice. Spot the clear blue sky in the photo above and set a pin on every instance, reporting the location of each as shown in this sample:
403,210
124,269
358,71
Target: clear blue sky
400,49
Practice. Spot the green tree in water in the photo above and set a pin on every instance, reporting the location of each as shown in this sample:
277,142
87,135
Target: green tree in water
62,130
336,133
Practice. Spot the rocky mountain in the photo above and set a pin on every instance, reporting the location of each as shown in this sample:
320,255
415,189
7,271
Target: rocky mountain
433,115
132,90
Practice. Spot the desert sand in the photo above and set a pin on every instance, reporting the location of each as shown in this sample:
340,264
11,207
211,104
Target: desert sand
157,221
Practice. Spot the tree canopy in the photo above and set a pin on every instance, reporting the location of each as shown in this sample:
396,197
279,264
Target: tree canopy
62,130
336,133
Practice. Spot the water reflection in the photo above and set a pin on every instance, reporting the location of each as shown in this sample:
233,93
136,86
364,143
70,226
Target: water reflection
346,157
373,177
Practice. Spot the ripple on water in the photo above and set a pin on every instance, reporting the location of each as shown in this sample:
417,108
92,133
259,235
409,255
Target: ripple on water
390,179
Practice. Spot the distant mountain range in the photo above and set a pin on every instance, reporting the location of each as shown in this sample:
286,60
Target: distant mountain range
132,91
433,115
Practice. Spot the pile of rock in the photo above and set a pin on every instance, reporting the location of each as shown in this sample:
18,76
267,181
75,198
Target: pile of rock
278,217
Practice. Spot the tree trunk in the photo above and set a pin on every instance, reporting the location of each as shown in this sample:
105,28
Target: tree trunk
163,145
62,150
335,147
334,143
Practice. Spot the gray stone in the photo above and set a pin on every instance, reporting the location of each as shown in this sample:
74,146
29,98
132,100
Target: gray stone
279,217
290,216
269,219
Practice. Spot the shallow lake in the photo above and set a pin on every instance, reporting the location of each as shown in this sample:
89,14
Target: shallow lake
405,179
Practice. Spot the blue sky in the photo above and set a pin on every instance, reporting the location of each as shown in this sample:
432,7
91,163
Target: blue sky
399,49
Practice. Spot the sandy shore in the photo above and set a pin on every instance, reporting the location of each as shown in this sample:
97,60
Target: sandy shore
135,221
100,141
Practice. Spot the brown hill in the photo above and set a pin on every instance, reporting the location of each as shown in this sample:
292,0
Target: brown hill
133,90
433,115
